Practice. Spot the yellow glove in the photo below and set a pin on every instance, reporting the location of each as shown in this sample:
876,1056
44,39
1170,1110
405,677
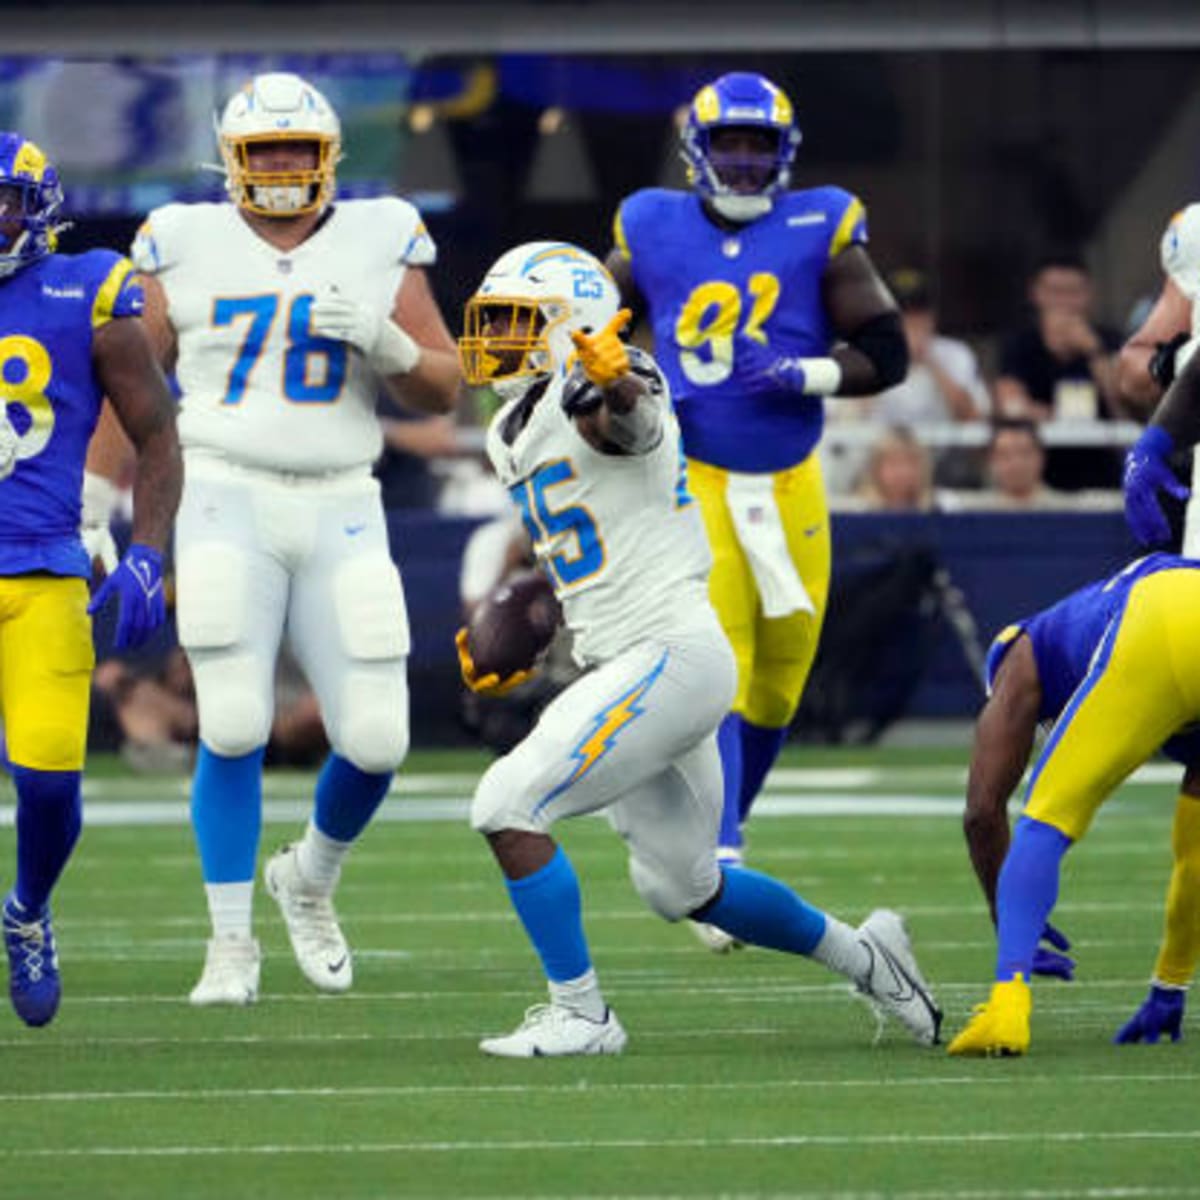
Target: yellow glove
603,355
485,685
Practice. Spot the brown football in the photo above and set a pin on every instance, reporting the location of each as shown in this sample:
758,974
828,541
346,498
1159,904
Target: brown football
513,624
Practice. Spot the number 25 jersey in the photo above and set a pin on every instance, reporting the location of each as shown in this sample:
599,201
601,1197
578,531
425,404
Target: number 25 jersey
259,388
706,286
49,314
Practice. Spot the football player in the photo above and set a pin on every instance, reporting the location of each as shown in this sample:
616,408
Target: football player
69,333
1149,363
283,313
762,302
1123,645
589,449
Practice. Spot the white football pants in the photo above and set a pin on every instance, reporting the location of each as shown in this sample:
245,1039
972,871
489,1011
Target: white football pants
261,553
635,737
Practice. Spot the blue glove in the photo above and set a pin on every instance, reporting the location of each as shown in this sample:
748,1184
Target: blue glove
1161,1012
1147,472
138,584
1050,962
758,368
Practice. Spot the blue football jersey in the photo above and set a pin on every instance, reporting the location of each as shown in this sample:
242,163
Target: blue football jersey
49,312
1064,638
705,286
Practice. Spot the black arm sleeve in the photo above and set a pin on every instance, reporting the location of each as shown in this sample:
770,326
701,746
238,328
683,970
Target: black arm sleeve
881,339
1179,410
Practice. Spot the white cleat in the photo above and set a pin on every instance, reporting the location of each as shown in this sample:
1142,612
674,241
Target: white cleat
312,925
230,975
552,1031
714,939
893,984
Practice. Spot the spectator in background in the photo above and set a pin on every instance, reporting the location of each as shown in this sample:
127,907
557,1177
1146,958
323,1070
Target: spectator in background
1016,469
409,442
898,475
943,384
1060,365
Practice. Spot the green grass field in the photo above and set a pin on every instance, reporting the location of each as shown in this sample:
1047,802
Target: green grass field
748,1075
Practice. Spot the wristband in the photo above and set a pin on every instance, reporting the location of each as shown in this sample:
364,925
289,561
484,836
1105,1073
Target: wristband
100,496
394,352
822,376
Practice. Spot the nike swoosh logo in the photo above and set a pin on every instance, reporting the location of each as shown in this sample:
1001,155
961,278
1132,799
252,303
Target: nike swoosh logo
335,967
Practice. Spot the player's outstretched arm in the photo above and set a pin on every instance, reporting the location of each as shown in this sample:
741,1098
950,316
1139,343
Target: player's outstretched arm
1146,364
864,315
1004,736
142,400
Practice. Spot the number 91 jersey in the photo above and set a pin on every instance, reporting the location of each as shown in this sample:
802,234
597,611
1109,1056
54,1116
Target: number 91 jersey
706,286
258,387
49,314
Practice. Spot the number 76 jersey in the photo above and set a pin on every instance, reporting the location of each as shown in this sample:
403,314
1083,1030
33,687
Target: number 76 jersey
619,536
258,386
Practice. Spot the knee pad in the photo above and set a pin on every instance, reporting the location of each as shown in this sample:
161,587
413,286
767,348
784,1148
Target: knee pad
213,596
372,728
500,801
235,711
673,891
369,601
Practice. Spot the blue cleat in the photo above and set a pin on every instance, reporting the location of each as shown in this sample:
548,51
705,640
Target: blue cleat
33,981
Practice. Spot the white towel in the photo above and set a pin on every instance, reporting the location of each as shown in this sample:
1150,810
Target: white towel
759,527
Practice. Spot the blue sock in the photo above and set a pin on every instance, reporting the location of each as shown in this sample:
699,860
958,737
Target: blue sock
1026,894
227,814
49,818
729,742
347,798
756,908
760,749
551,909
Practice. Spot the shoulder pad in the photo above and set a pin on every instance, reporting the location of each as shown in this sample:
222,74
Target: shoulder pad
155,245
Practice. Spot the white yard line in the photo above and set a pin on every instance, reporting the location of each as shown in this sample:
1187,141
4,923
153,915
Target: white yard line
898,1141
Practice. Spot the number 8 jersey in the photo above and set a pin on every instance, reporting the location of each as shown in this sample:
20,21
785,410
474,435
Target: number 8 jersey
258,388
49,314
706,286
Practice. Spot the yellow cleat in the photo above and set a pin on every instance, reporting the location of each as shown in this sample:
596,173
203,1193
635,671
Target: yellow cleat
1001,1026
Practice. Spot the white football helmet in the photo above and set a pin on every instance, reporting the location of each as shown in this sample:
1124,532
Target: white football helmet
279,107
519,322
1181,251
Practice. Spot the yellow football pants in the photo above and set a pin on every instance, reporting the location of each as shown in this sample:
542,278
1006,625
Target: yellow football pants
774,656
46,661
1142,687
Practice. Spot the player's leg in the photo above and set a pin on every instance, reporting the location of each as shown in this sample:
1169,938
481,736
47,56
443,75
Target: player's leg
349,630
732,592
232,601
608,732
669,823
786,646
1093,747
47,657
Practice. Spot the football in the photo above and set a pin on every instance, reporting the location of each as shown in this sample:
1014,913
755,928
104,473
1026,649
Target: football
513,624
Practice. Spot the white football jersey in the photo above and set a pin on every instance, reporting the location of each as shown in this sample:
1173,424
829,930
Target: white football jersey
257,386
1181,254
619,535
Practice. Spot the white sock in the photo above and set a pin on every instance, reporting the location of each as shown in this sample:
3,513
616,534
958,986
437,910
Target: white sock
842,950
229,908
319,858
581,995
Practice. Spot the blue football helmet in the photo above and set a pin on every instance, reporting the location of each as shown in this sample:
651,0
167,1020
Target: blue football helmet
30,197
741,184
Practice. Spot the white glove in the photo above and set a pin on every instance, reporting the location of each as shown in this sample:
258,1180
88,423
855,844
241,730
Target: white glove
99,503
10,444
384,344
